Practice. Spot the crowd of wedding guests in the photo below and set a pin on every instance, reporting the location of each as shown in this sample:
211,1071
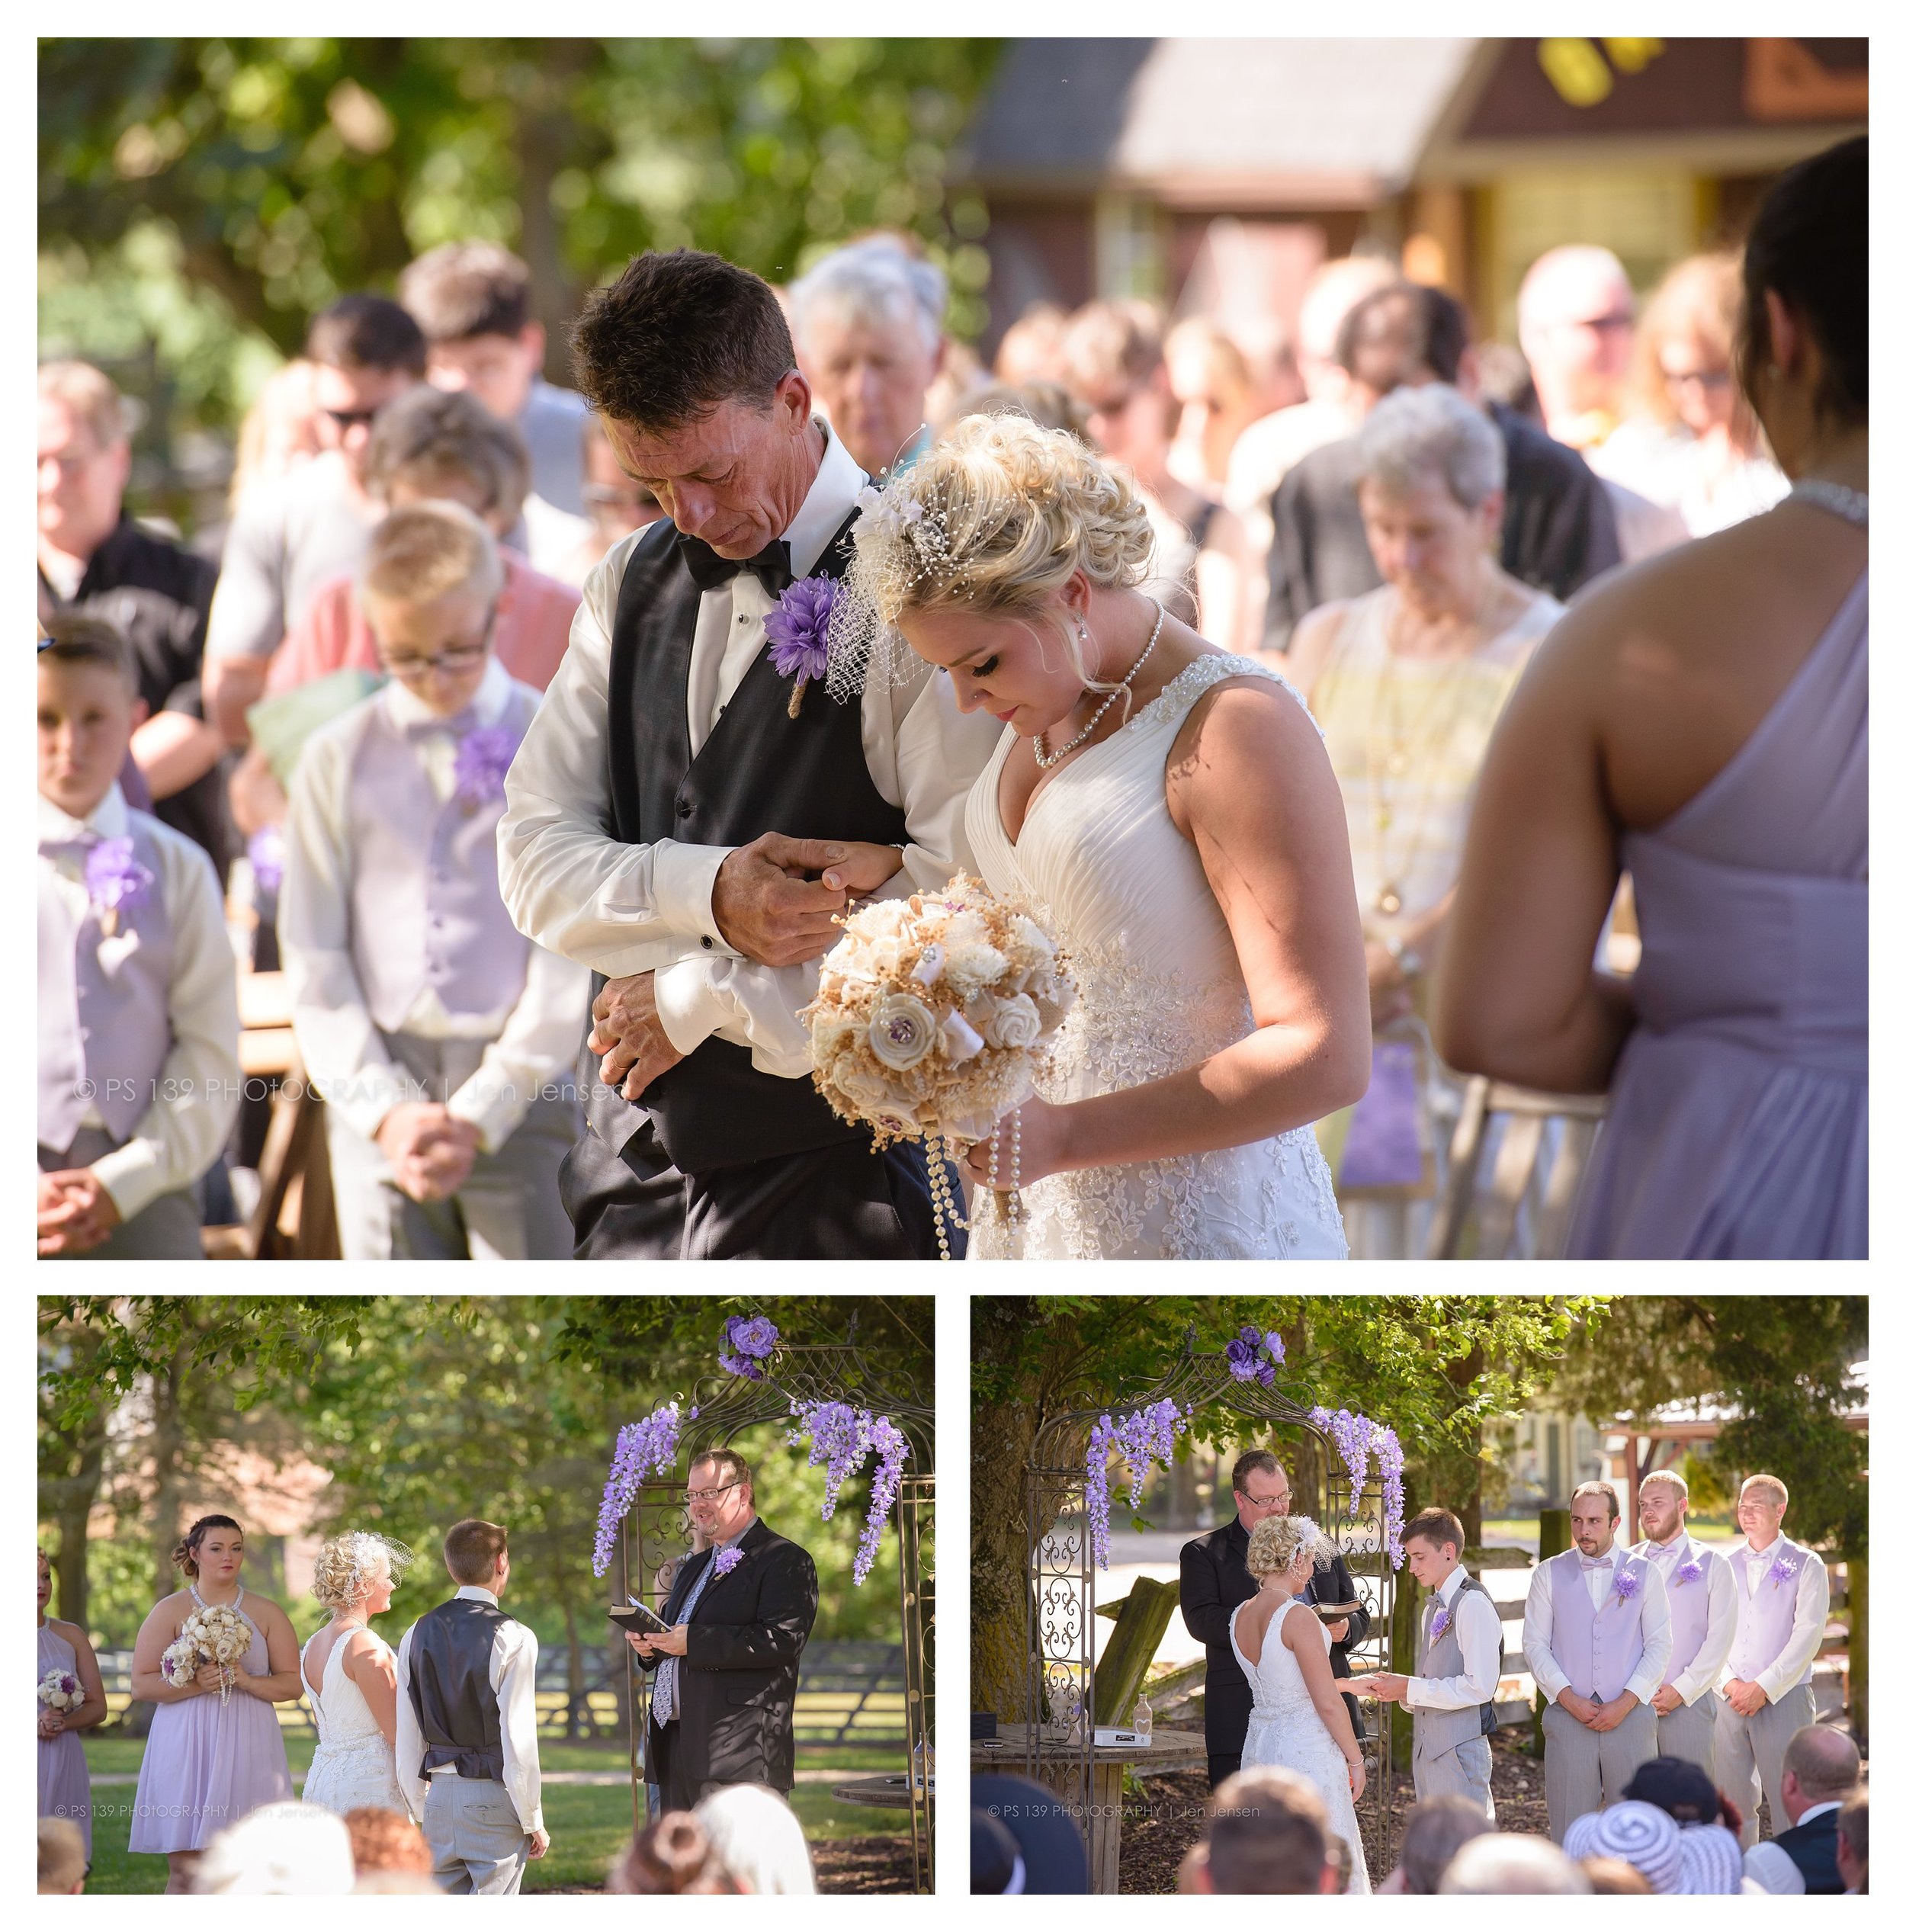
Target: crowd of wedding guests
1395,514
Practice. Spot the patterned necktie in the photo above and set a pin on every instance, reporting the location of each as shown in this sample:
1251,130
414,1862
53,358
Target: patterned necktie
773,565
663,1708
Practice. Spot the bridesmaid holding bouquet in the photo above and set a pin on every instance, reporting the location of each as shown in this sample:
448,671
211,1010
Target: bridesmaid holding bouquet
72,1698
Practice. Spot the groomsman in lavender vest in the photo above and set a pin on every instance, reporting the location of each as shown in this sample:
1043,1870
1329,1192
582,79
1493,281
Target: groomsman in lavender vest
1459,1653
1767,1691
1703,1605
441,1039
1597,1634
138,1035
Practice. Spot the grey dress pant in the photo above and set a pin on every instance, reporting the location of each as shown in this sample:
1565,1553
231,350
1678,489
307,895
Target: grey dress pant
1747,1752
164,1230
510,1209
474,1835
1461,1772
1687,1733
1586,1770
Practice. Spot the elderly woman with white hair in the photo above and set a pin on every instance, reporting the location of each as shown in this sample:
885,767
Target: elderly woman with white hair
756,1835
867,323
350,1674
1407,683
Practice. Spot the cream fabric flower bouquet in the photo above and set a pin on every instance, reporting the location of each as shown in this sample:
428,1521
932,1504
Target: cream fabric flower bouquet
935,1013
60,1690
214,1633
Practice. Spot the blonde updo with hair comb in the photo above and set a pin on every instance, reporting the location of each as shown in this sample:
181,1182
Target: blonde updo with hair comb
341,1575
1278,1542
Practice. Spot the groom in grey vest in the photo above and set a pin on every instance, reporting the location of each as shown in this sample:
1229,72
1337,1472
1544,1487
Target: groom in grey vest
681,824
1459,1653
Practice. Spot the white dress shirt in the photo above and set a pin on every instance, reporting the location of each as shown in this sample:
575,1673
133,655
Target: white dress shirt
1538,1625
196,1099
531,1043
1795,1663
1478,1635
624,909
1708,1669
512,1676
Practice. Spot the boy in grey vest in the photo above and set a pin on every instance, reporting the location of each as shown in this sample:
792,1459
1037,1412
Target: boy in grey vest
1459,1653
441,1039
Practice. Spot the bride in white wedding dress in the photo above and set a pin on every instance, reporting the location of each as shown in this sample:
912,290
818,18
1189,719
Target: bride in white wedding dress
1298,1717
350,1674
1171,814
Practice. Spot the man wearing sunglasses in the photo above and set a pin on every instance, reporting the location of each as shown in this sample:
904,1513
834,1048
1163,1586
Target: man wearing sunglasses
302,529
721,1707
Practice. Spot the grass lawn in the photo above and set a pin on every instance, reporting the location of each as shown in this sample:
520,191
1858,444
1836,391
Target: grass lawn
588,1824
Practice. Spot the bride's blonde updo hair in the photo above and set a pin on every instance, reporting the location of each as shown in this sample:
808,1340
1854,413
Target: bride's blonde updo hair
341,1575
1278,1542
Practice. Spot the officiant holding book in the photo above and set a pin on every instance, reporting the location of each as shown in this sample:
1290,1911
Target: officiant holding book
1213,1581
721,1710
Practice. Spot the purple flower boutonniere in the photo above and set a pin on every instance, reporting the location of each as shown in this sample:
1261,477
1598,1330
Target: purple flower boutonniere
1783,1569
726,1559
1689,1572
1439,1623
1627,1583
483,760
797,629
116,882
265,849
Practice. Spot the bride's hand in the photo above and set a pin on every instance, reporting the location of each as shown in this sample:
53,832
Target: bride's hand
1356,1776
1041,1148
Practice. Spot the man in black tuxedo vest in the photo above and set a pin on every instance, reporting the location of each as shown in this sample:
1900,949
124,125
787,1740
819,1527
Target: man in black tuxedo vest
721,1708
681,824
1818,1773
1213,1581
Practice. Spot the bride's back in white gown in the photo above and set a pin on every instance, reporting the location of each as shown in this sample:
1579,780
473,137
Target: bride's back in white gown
1286,1728
354,1763
1122,890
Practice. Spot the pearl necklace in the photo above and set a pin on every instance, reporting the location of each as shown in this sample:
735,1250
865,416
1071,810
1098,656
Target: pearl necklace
1045,760
1837,499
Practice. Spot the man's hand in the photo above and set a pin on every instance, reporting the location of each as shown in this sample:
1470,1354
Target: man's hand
1386,1685
1609,1716
639,1644
1745,1696
1666,1700
538,1844
1338,1631
72,1212
673,1642
629,1037
769,906
430,1149
1577,1706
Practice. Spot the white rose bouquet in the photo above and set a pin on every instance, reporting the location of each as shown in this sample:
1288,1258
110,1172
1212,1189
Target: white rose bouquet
933,1016
213,1633
59,1690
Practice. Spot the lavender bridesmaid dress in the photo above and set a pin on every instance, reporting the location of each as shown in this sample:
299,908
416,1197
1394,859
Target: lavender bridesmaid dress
65,1789
1736,1123
209,1762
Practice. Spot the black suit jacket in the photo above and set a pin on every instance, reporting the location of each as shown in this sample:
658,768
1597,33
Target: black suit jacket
734,1722
1813,1847
1557,532
1212,1581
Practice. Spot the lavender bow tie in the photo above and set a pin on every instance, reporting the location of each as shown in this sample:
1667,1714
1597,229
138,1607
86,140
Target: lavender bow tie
1598,1563
458,724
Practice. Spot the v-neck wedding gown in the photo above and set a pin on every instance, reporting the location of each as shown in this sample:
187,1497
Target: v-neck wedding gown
1121,890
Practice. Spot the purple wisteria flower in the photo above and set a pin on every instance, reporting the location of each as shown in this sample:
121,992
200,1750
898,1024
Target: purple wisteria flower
116,882
1439,1623
1145,1435
642,1449
483,760
1628,1584
797,629
843,1437
1783,1569
1689,1572
726,1559
265,850
1358,1438
748,1342
891,1446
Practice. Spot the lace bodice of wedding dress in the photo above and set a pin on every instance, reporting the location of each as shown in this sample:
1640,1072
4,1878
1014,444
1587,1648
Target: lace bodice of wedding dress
1117,884
1286,1729
352,1764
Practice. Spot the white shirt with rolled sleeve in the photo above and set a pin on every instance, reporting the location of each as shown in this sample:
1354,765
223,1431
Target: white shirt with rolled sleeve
1538,1624
1708,1669
625,909
1795,1663
512,1676
1478,1637
531,1043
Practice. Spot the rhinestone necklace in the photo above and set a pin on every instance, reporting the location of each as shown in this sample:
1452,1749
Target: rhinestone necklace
1045,760
1837,499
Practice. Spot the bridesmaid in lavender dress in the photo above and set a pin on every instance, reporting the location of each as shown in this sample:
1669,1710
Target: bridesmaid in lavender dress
1700,720
210,1760
65,1790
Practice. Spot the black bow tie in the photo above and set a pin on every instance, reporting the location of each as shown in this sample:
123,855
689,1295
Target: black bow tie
773,565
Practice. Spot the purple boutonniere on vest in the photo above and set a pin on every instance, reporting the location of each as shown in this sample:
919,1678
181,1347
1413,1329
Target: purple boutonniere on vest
1628,1583
116,882
1783,1569
483,760
1439,1623
1689,1572
797,629
265,850
726,1559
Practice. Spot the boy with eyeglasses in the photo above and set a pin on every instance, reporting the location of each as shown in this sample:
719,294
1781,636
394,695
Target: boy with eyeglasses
442,1040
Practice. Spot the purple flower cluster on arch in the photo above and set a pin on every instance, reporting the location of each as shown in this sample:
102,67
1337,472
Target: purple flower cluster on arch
1145,1436
1255,1355
642,1450
841,1438
748,1341
1357,1439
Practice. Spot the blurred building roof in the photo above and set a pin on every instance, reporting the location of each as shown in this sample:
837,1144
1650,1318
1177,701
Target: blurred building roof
1329,123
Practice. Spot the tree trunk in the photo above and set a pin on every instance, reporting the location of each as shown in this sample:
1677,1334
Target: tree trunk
71,1466
165,1445
1856,1635
550,139
578,1695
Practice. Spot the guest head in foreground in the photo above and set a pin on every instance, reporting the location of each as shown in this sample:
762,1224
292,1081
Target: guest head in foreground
1511,1863
1264,1831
